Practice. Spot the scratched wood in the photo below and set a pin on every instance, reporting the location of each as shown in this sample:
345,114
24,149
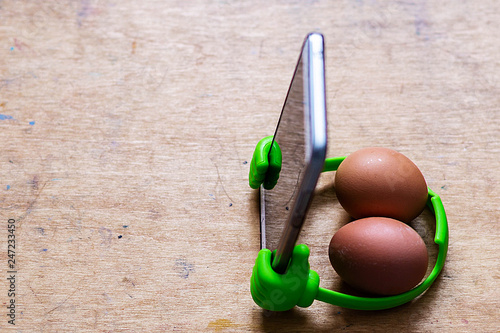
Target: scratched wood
126,130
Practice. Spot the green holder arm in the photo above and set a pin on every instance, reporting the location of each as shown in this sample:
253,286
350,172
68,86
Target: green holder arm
280,292
265,167
332,164
300,286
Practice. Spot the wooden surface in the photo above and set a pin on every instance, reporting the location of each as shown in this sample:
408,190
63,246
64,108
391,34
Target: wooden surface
127,128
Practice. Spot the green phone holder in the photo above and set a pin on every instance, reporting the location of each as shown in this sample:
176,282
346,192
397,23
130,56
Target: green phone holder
299,285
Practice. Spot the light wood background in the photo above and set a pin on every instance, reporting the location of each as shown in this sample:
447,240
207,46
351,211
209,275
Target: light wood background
127,128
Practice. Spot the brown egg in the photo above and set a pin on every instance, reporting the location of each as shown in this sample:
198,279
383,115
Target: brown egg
380,182
379,255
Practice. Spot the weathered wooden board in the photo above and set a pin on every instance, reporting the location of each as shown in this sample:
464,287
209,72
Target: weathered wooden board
127,127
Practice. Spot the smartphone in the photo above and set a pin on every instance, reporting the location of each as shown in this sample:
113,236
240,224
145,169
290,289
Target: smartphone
301,136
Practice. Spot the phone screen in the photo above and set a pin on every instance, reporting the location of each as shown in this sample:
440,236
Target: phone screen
301,137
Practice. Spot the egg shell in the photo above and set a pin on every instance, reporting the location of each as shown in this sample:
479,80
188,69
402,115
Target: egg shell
380,182
379,255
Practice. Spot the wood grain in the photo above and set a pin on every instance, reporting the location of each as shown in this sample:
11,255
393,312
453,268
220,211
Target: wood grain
127,129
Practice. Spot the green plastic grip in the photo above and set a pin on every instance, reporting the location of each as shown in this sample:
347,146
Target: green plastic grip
281,292
265,167
299,286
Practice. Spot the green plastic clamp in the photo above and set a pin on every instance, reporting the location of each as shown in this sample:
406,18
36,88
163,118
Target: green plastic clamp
299,286
281,292
265,168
